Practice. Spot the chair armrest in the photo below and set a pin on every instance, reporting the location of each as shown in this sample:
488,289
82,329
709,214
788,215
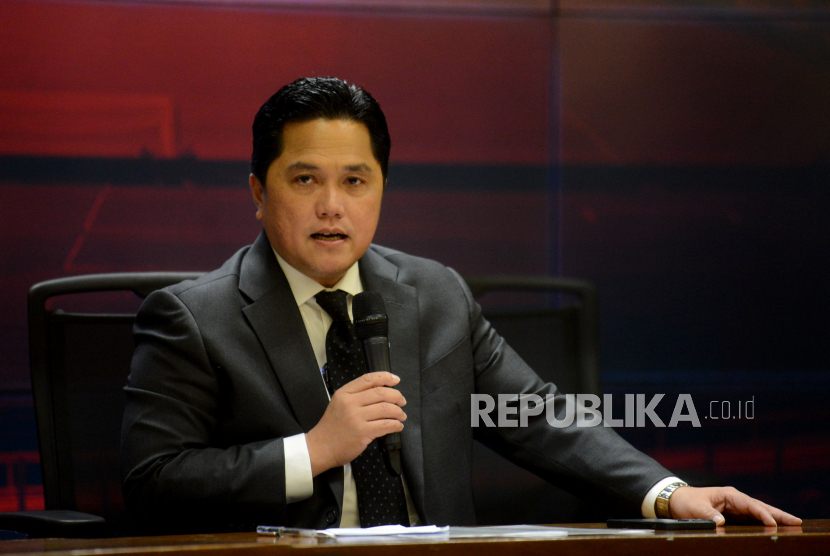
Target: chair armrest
55,523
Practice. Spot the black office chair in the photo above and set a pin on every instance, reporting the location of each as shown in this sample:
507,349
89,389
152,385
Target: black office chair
79,365
553,324
80,361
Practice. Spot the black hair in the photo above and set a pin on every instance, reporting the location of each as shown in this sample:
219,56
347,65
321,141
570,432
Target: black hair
311,98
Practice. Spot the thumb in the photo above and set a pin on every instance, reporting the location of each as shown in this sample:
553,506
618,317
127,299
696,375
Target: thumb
714,515
694,503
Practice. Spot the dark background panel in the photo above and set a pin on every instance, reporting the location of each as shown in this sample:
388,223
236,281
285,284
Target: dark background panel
704,268
683,90
694,195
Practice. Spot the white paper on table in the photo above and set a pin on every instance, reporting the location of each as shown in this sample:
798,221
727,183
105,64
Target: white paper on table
604,531
535,531
507,531
387,531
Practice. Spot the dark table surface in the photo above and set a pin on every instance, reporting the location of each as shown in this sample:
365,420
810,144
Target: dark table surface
811,538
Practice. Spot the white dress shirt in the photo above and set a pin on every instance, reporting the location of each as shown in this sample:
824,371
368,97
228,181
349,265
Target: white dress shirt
299,483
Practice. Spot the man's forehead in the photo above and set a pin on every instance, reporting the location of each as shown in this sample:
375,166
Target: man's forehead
322,143
324,130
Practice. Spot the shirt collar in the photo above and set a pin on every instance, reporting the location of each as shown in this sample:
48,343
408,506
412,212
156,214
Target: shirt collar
304,288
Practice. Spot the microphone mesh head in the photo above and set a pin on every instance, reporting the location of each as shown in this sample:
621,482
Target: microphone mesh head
369,315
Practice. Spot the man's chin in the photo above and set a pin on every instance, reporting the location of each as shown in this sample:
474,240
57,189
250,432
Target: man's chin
328,275
329,267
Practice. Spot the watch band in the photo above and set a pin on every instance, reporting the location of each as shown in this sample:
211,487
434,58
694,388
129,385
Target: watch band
661,504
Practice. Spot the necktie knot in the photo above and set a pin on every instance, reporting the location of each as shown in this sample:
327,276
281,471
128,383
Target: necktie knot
334,303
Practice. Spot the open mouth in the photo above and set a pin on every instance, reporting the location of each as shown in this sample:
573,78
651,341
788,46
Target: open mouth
329,237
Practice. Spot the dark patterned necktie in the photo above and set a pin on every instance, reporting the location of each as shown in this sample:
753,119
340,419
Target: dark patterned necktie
380,496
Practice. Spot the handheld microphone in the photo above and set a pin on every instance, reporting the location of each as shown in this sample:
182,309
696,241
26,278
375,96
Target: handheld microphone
372,329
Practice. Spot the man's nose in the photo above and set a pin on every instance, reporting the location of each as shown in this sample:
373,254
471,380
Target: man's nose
330,202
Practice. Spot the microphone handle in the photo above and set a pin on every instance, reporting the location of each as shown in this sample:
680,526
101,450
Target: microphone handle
376,352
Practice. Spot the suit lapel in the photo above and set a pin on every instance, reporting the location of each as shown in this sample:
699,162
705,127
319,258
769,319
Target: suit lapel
276,320
401,303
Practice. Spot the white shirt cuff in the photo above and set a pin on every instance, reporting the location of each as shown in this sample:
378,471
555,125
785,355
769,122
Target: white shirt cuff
299,483
651,497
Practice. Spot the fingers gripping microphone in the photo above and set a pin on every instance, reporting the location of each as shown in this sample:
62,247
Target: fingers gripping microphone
372,329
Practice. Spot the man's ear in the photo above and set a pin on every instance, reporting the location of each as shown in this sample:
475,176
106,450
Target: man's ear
258,191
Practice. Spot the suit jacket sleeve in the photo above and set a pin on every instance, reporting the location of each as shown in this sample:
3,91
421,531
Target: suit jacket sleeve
594,463
177,466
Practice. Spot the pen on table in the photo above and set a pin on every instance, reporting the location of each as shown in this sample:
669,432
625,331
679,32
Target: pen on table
278,531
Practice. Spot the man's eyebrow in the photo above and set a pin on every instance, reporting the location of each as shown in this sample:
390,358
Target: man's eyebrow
302,166
362,167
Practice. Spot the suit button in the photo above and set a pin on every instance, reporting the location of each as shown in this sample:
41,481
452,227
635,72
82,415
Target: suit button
331,517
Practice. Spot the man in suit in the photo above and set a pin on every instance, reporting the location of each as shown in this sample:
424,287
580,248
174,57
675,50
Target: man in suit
229,422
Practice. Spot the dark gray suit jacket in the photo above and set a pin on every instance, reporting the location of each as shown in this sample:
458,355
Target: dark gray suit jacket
224,369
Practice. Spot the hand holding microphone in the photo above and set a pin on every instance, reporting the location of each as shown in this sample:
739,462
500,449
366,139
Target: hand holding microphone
366,408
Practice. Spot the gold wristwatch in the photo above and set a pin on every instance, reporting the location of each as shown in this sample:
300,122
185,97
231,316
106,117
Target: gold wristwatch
661,504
